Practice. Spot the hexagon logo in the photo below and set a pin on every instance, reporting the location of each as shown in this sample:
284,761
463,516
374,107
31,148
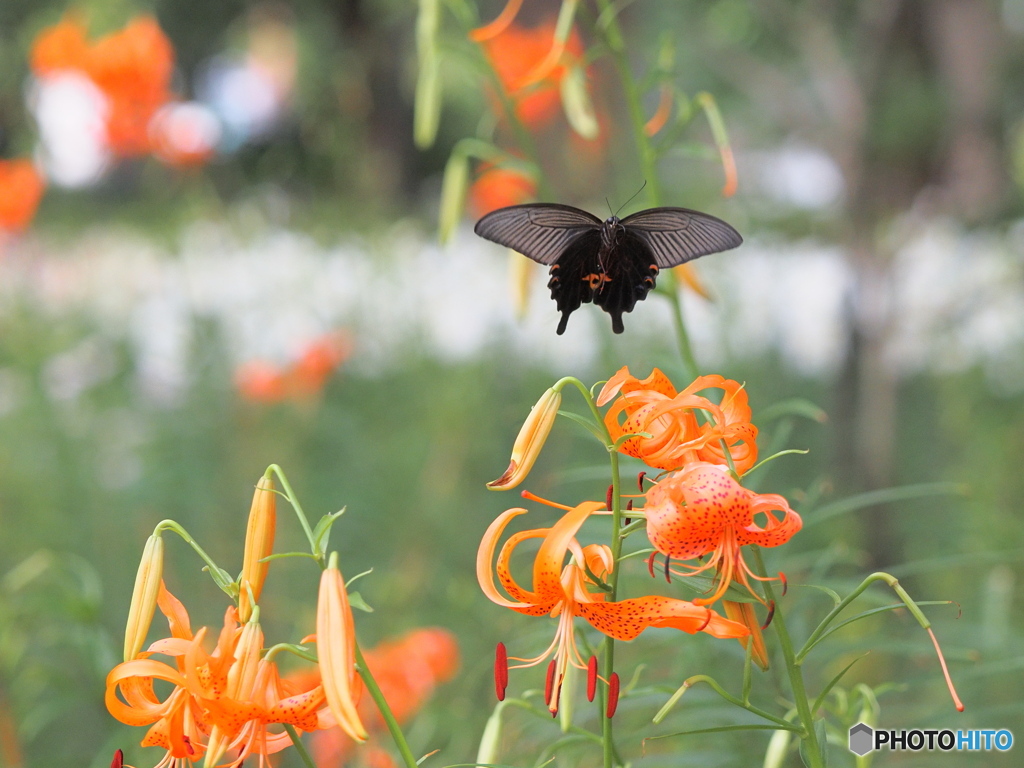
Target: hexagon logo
862,739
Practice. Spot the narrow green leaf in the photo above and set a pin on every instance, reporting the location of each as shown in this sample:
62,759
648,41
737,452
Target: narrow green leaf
832,684
587,424
579,110
882,496
796,406
356,601
453,194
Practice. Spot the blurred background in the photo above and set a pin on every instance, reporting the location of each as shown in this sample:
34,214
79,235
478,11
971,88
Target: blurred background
218,250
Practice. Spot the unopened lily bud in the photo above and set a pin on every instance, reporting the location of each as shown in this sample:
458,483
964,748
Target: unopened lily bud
147,585
259,543
531,439
744,613
336,647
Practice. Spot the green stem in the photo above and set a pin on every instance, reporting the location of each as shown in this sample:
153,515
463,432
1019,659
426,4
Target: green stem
607,739
294,501
889,579
299,746
385,710
645,151
682,335
793,669
220,576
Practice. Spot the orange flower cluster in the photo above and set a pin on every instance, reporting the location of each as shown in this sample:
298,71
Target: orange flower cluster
21,189
231,702
230,692
700,508
264,382
131,67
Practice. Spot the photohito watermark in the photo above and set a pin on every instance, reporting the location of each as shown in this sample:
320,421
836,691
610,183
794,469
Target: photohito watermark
864,739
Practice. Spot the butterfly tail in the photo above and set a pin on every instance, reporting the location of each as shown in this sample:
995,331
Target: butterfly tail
563,322
617,325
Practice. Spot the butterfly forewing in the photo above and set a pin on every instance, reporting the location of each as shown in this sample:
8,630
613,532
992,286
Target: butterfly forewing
541,231
676,235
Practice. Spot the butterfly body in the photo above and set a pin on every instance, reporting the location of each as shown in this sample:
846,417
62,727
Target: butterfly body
614,263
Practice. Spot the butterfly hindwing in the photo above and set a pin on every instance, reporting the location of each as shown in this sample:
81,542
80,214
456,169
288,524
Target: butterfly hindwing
677,235
571,277
631,271
541,231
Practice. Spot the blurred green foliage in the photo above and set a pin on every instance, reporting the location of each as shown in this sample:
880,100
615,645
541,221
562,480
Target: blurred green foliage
407,450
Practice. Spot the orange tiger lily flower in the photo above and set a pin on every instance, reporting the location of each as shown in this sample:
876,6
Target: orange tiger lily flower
180,722
279,701
702,510
564,592
677,437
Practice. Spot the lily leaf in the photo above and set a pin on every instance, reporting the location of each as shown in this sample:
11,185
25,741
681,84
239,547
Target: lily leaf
584,422
356,601
883,496
796,406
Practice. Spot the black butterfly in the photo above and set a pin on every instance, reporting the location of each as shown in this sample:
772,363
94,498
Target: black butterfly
612,263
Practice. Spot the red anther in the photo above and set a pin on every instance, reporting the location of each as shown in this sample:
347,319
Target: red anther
770,616
613,695
549,684
668,565
188,744
500,671
629,505
627,521
118,760
707,620
785,583
640,481
959,608
591,678
608,497
650,563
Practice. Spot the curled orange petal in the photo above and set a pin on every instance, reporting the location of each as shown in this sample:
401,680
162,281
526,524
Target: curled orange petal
499,25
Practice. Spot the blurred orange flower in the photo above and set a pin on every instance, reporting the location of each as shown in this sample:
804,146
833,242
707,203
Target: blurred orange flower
408,669
263,382
62,46
499,187
132,67
564,591
530,67
702,510
21,189
677,437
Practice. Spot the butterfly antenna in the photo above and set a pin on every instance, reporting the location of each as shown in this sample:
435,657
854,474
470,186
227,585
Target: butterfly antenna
609,206
632,198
